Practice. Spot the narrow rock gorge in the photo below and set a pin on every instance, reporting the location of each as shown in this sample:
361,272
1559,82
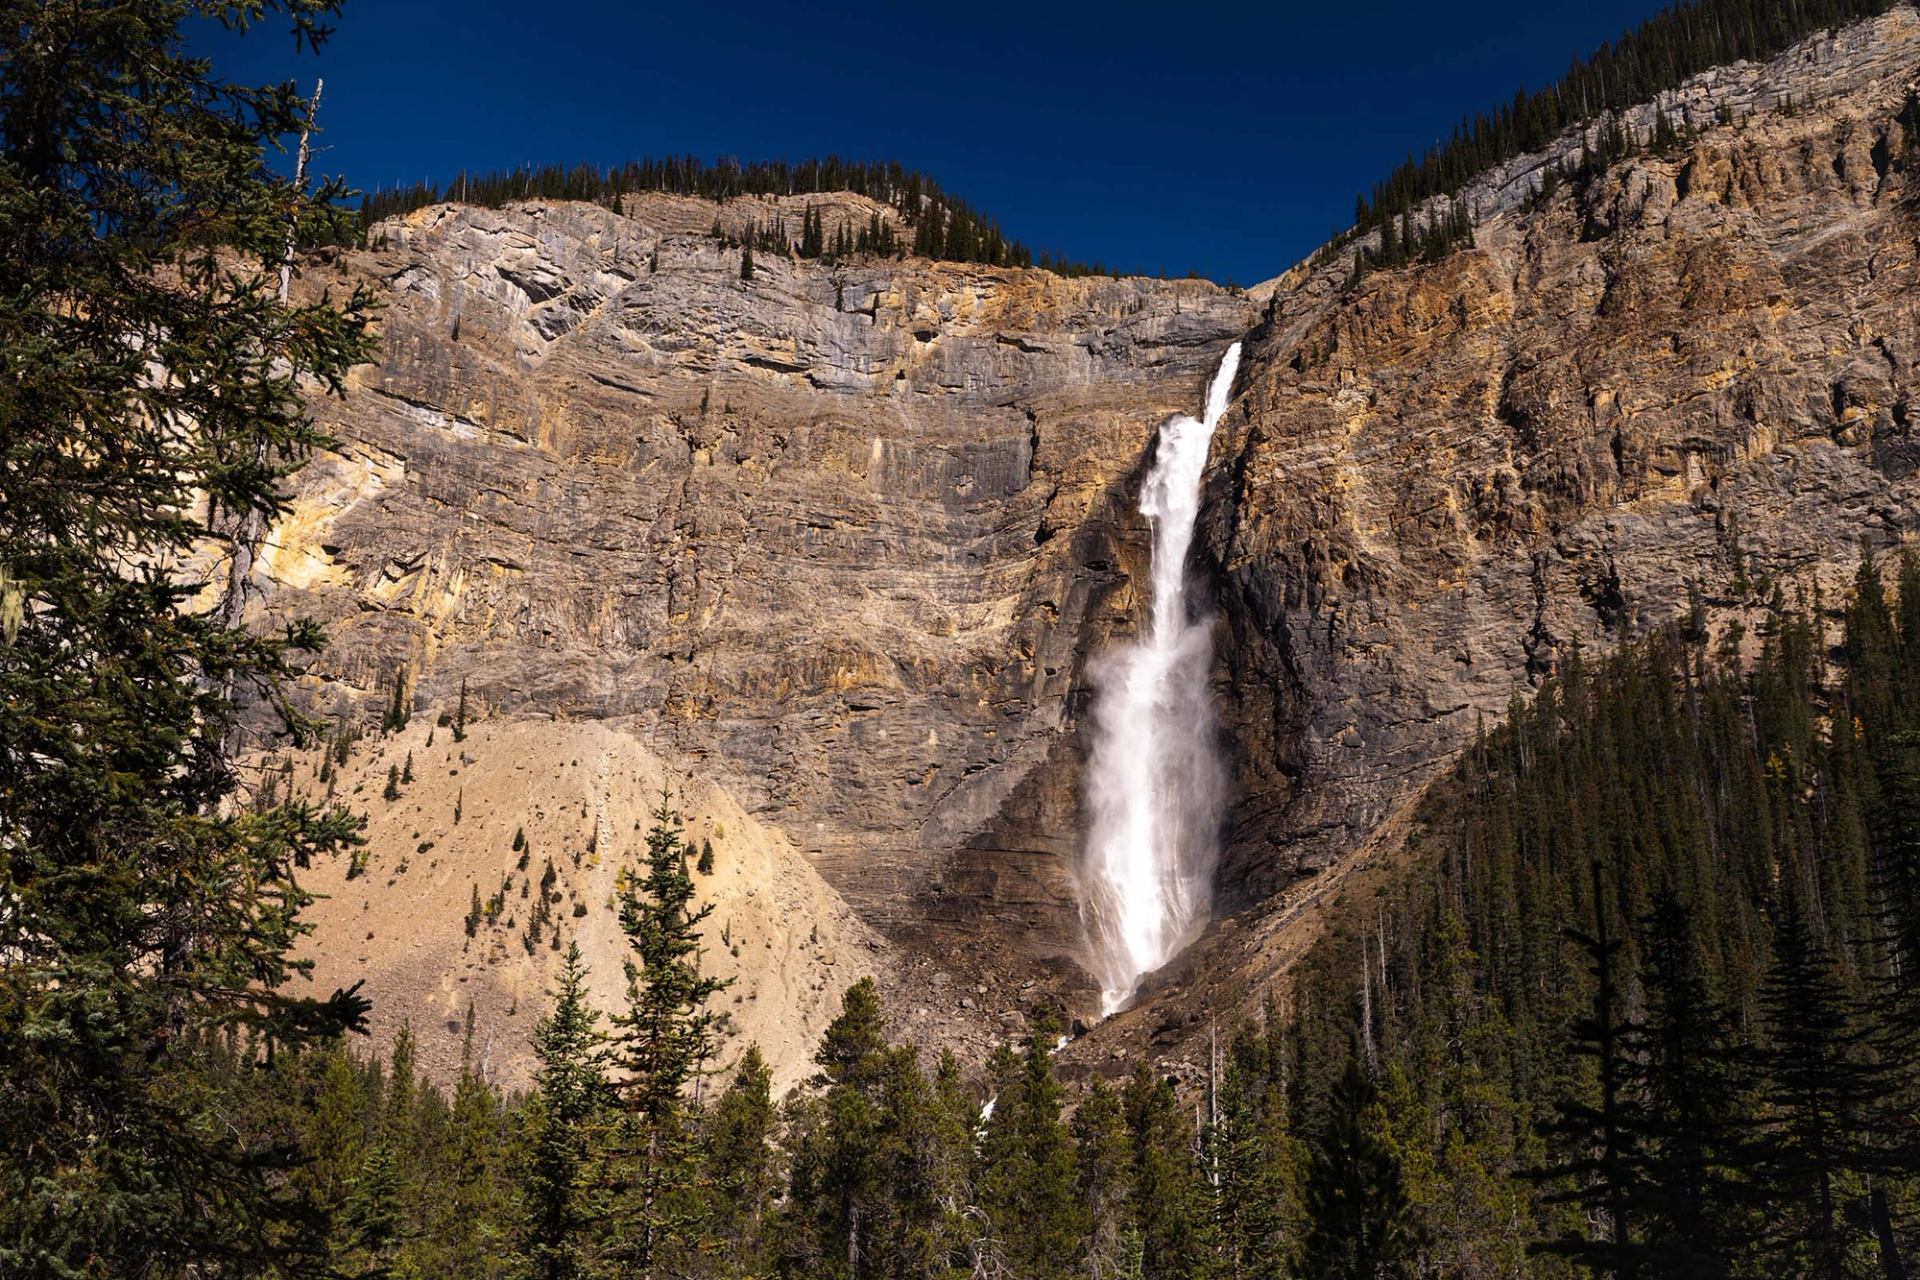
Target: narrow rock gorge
832,547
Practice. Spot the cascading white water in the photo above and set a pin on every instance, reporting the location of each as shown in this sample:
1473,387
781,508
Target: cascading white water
1155,784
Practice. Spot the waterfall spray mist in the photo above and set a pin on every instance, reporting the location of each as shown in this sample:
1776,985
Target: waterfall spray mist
1155,784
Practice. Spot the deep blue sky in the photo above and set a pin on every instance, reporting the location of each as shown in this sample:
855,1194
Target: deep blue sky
1227,140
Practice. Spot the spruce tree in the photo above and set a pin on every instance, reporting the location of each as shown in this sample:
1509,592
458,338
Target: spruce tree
664,1040
149,908
1603,1138
570,1099
1103,1159
1361,1226
1172,1207
837,1193
1027,1183
741,1174
1819,1088
376,1214
1687,1075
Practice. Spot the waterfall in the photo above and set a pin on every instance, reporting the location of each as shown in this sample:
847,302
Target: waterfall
1155,784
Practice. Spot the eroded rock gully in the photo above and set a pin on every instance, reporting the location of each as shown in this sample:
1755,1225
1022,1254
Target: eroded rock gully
838,540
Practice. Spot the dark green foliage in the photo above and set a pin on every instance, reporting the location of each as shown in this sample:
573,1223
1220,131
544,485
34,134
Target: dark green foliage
1172,1213
1711,1078
1103,1179
1910,128
746,260
1818,1088
399,705
460,714
1686,1204
1603,1139
406,770
565,1119
741,1167
1362,1226
150,904
1736,1100
705,863
392,789
664,1042
944,226
1027,1164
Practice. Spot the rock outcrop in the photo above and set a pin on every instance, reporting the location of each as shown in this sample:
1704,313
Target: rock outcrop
1688,381
838,540
835,539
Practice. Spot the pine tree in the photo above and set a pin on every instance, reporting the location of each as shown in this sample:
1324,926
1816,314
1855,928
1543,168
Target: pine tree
746,258
570,1098
398,707
1171,1203
1104,1172
406,770
460,714
469,1210
142,229
376,1214
664,1041
1604,1138
1252,1157
1819,1088
741,1166
837,1192
1686,1074
705,864
1362,1227
392,789
1027,1182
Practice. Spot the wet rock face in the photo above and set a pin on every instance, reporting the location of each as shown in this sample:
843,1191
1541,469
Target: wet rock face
1693,375
837,538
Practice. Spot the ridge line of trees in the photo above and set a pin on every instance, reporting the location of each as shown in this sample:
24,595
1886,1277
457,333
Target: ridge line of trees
944,226
1650,58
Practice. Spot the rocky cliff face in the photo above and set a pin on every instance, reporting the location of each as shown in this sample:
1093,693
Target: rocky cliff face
835,539
1692,378
1694,374
839,540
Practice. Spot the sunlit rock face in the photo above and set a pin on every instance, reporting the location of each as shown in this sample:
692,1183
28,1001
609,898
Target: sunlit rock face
1695,373
845,540
835,539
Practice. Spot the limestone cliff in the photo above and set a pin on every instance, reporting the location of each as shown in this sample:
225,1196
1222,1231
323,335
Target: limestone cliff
1692,377
837,541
